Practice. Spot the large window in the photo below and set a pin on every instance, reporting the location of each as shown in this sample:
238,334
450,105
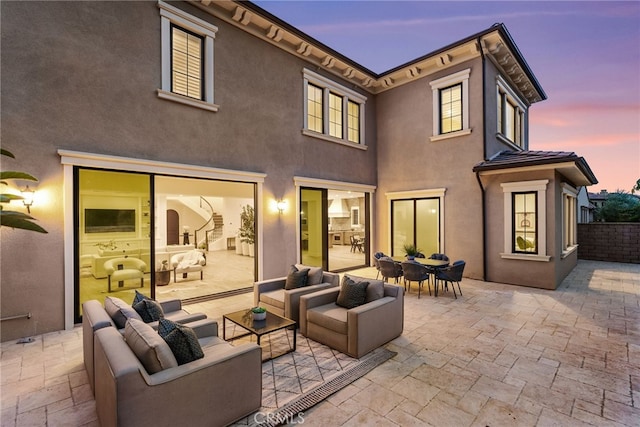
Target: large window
451,105
511,115
328,106
451,109
187,58
525,230
569,219
525,220
186,63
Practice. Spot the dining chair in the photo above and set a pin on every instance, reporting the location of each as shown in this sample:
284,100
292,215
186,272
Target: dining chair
376,257
451,274
390,269
415,272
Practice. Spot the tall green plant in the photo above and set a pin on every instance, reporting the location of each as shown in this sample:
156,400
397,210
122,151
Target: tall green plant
10,218
247,224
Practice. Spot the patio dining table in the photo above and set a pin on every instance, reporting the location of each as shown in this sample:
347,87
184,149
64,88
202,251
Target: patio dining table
431,264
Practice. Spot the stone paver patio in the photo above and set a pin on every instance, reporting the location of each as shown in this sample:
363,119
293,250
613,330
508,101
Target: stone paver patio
498,355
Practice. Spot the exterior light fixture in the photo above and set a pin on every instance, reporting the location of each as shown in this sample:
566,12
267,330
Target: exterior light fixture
27,197
281,205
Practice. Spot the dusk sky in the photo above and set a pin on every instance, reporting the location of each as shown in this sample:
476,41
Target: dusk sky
586,56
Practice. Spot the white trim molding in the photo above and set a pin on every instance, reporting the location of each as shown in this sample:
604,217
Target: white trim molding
418,194
540,186
436,85
170,14
70,159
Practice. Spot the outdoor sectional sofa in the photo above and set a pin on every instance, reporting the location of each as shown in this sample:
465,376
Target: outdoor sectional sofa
131,389
95,317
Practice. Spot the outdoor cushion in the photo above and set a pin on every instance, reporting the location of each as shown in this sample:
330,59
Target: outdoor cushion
352,293
275,298
149,347
120,311
182,340
296,278
314,276
330,316
375,290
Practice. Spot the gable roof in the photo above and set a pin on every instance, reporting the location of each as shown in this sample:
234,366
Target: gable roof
567,163
494,43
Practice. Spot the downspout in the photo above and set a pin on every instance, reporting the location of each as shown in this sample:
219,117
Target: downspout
484,156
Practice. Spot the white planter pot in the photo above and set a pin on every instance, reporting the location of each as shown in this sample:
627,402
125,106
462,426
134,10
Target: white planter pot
238,246
251,249
245,248
259,316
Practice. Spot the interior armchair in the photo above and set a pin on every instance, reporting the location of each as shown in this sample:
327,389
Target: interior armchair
280,296
187,262
124,268
354,331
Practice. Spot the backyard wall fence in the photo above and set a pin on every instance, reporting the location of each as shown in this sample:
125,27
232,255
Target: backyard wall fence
609,241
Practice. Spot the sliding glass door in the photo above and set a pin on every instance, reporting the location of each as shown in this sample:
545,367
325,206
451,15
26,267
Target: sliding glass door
415,221
164,236
334,228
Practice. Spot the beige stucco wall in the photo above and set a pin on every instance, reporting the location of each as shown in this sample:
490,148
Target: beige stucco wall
538,274
83,76
408,160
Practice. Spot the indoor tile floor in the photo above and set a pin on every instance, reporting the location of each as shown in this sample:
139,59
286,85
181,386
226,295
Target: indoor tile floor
497,355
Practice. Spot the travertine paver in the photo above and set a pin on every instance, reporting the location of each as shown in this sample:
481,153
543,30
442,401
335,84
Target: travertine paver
498,355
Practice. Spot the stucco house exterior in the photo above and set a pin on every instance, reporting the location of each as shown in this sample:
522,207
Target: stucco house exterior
110,103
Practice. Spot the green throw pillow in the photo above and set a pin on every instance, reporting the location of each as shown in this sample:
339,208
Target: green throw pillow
352,294
149,310
296,278
182,340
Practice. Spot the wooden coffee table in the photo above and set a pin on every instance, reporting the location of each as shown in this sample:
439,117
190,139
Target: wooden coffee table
272,323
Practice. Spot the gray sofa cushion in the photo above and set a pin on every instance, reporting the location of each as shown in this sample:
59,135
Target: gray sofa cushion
352,293
120,311
330,316
375,290
149,347
314,276
182,341
296,278
274,298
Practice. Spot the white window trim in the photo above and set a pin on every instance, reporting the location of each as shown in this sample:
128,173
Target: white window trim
569,191
327,86
502,85
540,186
169,15
436,85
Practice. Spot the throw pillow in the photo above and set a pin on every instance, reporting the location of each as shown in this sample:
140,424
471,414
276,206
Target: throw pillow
120,311
139,297
315,274
149,347
182,340
352,294
149,310
375,290
296,278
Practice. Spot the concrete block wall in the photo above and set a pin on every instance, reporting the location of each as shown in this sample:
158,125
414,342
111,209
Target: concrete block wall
609,241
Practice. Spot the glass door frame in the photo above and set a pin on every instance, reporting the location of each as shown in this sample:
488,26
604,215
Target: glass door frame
70,159
321,184
416,195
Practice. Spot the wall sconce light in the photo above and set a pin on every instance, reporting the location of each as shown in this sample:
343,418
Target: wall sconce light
281,205
27,197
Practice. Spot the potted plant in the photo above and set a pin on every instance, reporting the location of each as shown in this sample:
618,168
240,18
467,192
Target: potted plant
259,313
247,231
410,250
